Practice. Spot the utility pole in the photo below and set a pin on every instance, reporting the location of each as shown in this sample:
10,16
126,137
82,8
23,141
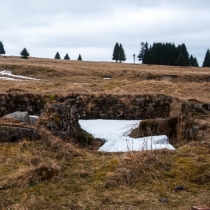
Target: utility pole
134,56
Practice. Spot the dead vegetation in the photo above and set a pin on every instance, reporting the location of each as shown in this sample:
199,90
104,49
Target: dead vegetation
52,174
63,77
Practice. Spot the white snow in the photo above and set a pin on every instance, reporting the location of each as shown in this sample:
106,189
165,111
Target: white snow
34,116
115,134
106,78
10,76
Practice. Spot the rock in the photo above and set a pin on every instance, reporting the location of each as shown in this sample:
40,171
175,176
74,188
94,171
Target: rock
15,134
164,200
179,188
191,107
32,119
206,106
22,117
140,99
61,109
156,127
193,132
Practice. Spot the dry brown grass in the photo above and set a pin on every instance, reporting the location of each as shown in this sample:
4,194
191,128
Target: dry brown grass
91,180
83,179
64,77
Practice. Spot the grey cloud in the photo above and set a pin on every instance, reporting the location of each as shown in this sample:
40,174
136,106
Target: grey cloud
49,25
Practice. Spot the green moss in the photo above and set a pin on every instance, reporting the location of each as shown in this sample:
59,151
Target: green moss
83,137
51,97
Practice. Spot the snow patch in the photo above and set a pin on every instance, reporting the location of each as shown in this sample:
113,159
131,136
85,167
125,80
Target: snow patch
9,78
12,76
115,134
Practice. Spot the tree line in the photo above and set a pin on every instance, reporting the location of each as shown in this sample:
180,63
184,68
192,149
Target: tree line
66,57
166,54
24,53
158,53
162,54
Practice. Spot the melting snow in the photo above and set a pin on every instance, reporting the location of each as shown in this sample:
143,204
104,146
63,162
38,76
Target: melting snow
9,78
115,135
12,76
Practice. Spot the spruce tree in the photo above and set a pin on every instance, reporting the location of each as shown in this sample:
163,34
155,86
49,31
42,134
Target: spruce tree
24,53
163,53
57,56
181,61
149,59
66,57
182,49
79,58
206,62
115,55
2,51
144,52
193,61
122,56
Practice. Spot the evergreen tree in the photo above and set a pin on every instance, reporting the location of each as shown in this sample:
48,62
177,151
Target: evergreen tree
79,58
122,56
206,62
181,61
149,59
163,53
115,55
57,56
66,57
193,61
143,52
182,49
24,53
2,51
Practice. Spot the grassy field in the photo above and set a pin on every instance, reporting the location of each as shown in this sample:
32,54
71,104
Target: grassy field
64,77
53,174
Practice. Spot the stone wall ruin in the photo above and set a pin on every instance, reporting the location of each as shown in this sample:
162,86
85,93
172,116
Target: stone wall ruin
61,114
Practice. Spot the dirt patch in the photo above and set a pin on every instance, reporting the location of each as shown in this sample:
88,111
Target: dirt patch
167,77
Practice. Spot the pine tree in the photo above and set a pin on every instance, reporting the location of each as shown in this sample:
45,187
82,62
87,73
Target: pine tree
79,58
57,56
2,51
193,61
206,62
24,53
115,55
122,56
181,61
163,53
66,57
143,52
149,59
182,49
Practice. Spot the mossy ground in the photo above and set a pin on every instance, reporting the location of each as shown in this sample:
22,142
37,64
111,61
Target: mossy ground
87,179
53,174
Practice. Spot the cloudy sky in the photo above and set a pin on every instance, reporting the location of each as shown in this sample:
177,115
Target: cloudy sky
92,28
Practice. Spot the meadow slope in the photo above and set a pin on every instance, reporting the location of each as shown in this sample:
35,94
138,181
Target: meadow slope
53,174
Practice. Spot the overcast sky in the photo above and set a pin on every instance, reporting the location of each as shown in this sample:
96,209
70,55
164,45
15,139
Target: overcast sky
92,28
